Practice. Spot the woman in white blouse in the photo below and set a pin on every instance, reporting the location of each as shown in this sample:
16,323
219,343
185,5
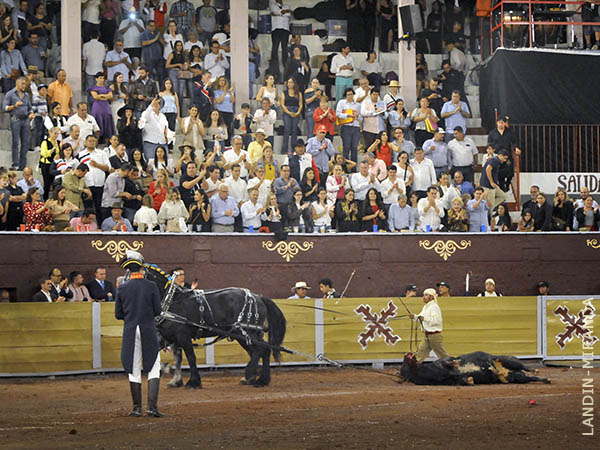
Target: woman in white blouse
322,212
193,129
146,218
170,37
171,213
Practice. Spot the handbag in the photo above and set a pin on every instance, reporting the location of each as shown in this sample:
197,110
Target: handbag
185,75
431,126
559,224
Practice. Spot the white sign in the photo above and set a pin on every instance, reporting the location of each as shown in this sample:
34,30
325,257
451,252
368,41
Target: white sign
571,182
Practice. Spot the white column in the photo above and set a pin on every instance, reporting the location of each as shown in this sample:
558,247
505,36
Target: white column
407,66
71,45
239,51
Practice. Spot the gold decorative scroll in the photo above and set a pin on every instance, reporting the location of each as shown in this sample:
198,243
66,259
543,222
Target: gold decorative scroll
444,248
117,250
287,250
593,243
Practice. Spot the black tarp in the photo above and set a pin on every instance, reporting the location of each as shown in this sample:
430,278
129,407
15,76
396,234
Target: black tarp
534,86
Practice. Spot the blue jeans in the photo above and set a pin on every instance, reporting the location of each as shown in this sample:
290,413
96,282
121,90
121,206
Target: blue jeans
20,132
350,138
310,123
38,130
290,129
251,78
178,84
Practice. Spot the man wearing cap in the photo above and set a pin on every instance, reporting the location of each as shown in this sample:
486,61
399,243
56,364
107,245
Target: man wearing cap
490,289
257,146
463,154
437,151
300,161
116,221
137,303
322,151
455,113
348,114
430,319
443,289
543,288
300,289
500,138
411,290
342,66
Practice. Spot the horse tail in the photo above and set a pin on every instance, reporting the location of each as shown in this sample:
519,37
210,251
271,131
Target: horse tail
277,326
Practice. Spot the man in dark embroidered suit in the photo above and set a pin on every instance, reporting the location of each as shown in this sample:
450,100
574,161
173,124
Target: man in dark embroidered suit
137,303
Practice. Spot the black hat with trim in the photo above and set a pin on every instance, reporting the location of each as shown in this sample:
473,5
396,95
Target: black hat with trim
133,261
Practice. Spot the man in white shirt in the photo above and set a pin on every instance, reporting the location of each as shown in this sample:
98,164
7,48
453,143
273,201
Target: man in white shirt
213,180
90,18
342,66
131,28
458,60
155,129
362,181
87,123
431,211
251,211
93,54
348,112
74,139
463,154
237,156
373,112
300,290
117,60
280,29
424,173
391,187
430,319
216,62
99,165
238,189
261,184
363,90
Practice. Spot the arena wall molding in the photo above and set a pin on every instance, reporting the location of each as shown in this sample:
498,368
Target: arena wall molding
65,338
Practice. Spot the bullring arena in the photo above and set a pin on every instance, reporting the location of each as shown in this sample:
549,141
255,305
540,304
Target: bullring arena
503,203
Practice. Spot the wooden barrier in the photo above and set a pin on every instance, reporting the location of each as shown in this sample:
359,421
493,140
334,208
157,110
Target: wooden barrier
48,338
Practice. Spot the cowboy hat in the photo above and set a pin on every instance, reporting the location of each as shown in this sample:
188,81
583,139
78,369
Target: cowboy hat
394,83
300,285
121,111
260,131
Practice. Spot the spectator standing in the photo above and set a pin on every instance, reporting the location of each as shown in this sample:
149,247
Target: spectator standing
12,65
101,111
372,212
321,149
216,133
376,167
200,212
455,114
478,209
99,165
300,161
489,179
93,54
37,213
346,213
34,54
562,211
202,95
268,91
399,118
284,188
542,214
426,121
216,61
183,13
77,189
170,101
374,114
280,30
131,28
109,11
501,220
342,66
155,128
434,28
463,154
362,181
324,116
169,38
49,151
392,187
348,116
238,189
298,69
133,186
40,24
60,91
224,97
117,60
431,211
152,50
120,96
265,119
242,123
127,127
90,19
392,98
311,103
175,65
437,151
424,173
114,189
262,184
87,123
224,210
291,103
18,104
405,171
159,188
16,197
206,21
143,91
193,129
587,216
383,149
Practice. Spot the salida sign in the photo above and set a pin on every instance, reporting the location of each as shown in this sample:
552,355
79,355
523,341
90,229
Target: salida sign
571,182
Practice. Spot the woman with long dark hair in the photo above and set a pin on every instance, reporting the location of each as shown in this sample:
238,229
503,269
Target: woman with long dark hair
501,219
346,213
224,101
291,104
562,211
372,212
37,213
49,151
175,64
54,118
101,111
61,209
309,185
170,107
120,96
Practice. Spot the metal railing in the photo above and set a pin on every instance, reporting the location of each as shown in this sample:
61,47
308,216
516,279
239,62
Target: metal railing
559,148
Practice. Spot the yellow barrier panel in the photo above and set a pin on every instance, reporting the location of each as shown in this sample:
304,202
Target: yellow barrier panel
45,337
499,325
569,324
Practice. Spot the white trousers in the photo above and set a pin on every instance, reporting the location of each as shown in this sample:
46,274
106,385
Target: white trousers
136,375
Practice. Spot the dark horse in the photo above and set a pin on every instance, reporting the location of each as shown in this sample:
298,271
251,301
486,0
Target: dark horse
232,313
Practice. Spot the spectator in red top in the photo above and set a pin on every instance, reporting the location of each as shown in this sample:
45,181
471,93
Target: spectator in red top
324,115
159,188
37,213
381,148
372,212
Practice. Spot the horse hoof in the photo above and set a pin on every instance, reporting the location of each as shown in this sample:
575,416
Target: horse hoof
244,382
193,385
535,371
176,384
259,384
470,381
548,381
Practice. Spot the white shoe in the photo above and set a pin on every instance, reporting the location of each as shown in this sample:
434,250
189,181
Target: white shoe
595,47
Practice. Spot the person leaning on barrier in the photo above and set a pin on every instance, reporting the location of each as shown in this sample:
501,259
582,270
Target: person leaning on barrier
430,319
300,289
137,304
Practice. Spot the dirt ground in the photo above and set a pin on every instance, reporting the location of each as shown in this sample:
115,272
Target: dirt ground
302,409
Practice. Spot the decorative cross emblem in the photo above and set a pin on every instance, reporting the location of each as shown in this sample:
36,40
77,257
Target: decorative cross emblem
575,325
377,325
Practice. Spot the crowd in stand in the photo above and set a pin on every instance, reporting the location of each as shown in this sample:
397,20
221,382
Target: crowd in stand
117,169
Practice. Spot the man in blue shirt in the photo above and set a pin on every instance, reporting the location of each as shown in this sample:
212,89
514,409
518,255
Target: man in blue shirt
224,210
437,151
400,216
489,178
478,209
152,51
465,186
321,150
455,113
116,221
18,104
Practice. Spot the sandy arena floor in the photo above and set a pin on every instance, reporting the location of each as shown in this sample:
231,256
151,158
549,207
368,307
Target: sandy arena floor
302,409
